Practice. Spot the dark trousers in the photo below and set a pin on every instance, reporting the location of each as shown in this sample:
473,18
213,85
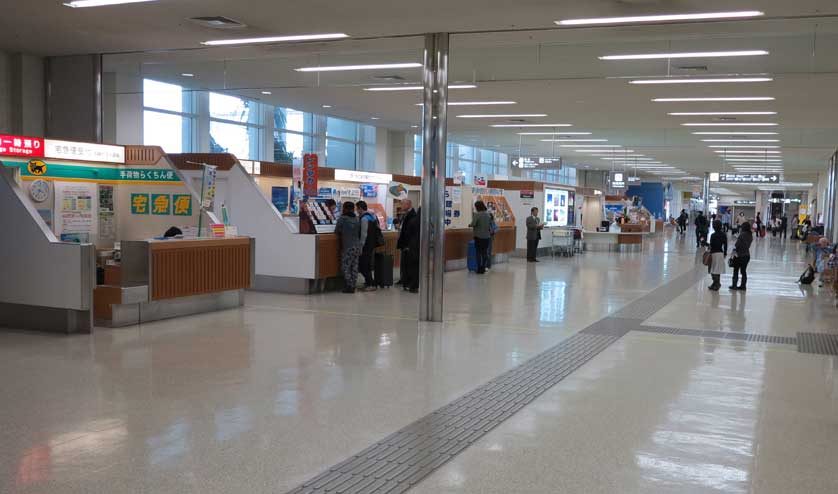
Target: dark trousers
784,231
489,253
532,249
481,245
740,266
410,269
365,267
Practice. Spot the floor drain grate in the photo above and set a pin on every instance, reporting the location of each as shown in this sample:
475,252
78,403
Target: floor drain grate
818,343
722,335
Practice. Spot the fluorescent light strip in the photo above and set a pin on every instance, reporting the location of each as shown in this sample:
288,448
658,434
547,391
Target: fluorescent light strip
738,146
745,151
596,21
553,133
685,100
603,150
530,125
416,88
709,113
627,159
101,3
734,133
475,103
521,115
739,124
590,146
701,81
574,140
740,140
754,161
375,66
697,54
275,39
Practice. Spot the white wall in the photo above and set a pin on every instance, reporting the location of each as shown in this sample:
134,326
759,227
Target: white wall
21,94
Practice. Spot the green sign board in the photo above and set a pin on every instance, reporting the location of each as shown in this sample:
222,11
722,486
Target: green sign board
182,204
161,204
96,173
139,204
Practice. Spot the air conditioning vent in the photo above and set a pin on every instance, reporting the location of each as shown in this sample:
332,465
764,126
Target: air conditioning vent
217,22
692,68
516,120
388,78
726,119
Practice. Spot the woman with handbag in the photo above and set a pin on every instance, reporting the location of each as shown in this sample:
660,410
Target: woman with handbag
741,256
718,253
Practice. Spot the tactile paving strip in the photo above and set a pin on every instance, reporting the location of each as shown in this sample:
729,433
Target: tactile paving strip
722,335
657,299
817,343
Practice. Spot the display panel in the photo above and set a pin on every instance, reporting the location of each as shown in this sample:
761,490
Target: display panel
556,207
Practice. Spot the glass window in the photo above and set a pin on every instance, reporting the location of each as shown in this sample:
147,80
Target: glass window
340,154
227,107
465,152
367,156
165,130
239,140
162,96
368,134
290,119
342,129
289,147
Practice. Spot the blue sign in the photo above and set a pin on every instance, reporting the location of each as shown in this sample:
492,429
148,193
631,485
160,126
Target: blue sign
369,190
279,198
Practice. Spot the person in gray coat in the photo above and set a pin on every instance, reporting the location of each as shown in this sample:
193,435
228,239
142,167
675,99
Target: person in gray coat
534,227
481,224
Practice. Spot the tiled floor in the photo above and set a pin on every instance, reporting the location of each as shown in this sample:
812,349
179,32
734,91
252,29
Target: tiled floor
261,399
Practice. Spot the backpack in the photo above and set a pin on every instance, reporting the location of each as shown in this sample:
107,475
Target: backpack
808,276
375,237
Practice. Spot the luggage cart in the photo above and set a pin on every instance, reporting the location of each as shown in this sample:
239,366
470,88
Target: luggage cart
562,243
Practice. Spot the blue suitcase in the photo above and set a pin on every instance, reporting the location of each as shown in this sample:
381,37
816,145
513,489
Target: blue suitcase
471,256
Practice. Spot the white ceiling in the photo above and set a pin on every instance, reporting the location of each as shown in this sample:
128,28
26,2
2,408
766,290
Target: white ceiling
546,70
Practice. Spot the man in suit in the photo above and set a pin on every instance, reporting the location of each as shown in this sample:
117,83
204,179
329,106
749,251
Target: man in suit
408,243
534,227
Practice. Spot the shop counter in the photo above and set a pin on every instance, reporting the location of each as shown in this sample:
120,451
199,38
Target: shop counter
456,246
159,279
328,253
622,241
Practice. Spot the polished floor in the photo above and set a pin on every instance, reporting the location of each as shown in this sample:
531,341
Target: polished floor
263,398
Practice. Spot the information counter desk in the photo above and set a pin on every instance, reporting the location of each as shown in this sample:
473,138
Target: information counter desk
159,279
613,241
456,246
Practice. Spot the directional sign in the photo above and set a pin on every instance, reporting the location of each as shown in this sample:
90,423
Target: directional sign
617,180
537,162
746,178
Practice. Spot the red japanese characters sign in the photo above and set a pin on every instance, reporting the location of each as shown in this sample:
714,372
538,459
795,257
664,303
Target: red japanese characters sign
27,147
311,172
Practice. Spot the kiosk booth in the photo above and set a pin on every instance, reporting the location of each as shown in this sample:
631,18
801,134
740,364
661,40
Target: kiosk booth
89,221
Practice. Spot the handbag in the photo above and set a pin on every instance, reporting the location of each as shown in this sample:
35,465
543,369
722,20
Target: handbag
707,260
731,261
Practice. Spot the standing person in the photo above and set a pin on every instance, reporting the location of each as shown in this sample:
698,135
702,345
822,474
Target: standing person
493,229
332,206
726,221
368,241
795,223
408,243
481,225
534,227
702,227
759,225
682,221
742,256
775,226
784,225
348,230
718,253
739,220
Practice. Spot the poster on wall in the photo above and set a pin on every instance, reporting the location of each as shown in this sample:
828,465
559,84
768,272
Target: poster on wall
479,181
557,205
75,211
397,190
208,186
107,226
311,174
369,190
279,198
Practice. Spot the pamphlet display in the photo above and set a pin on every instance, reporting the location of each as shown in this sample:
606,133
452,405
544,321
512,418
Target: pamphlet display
499,208
315,217
75,211
557,207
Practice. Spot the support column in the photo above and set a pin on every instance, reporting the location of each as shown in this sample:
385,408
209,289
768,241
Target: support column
434,137
705,194
830,197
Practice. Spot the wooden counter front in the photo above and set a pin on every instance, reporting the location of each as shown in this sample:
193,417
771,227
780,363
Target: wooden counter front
328,253
457,239
180,268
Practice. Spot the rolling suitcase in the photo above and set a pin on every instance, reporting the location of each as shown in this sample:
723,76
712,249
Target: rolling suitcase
471,256
383,266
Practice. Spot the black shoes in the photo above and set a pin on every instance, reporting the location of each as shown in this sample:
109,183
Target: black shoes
348,290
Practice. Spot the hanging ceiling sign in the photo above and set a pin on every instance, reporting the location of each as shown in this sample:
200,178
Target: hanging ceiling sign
617,180
537,162
27,147
745,178
744,203
83,151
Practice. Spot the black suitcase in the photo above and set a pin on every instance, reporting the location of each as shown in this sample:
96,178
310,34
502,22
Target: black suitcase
383,269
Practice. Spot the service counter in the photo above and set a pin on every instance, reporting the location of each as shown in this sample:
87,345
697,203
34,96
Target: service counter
159,279
623,241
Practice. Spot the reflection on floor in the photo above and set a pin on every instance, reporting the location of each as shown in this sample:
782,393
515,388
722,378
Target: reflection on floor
262,398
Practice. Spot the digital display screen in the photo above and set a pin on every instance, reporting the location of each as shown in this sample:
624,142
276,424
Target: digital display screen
556,207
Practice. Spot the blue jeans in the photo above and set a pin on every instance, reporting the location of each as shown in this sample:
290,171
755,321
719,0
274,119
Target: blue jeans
481,245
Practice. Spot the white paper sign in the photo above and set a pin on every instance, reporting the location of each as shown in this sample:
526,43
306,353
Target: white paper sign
75,208
83,151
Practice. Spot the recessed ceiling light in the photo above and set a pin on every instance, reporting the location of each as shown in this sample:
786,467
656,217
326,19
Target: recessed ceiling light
734,133
659,18
683,100
730,124
375,66
266,92
274,39
554,133
325,106
574,140
513,115
414,126
697,54
701,80
532,125
187,74
740,140
708,113
101,3
416,88
375,118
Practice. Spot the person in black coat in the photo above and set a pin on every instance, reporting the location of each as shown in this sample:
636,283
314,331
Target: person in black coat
702,229
408,243
742,256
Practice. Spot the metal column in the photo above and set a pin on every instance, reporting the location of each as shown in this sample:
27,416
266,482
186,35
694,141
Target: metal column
831,195
434,140
705,194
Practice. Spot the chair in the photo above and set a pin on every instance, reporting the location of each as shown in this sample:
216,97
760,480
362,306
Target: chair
562,242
